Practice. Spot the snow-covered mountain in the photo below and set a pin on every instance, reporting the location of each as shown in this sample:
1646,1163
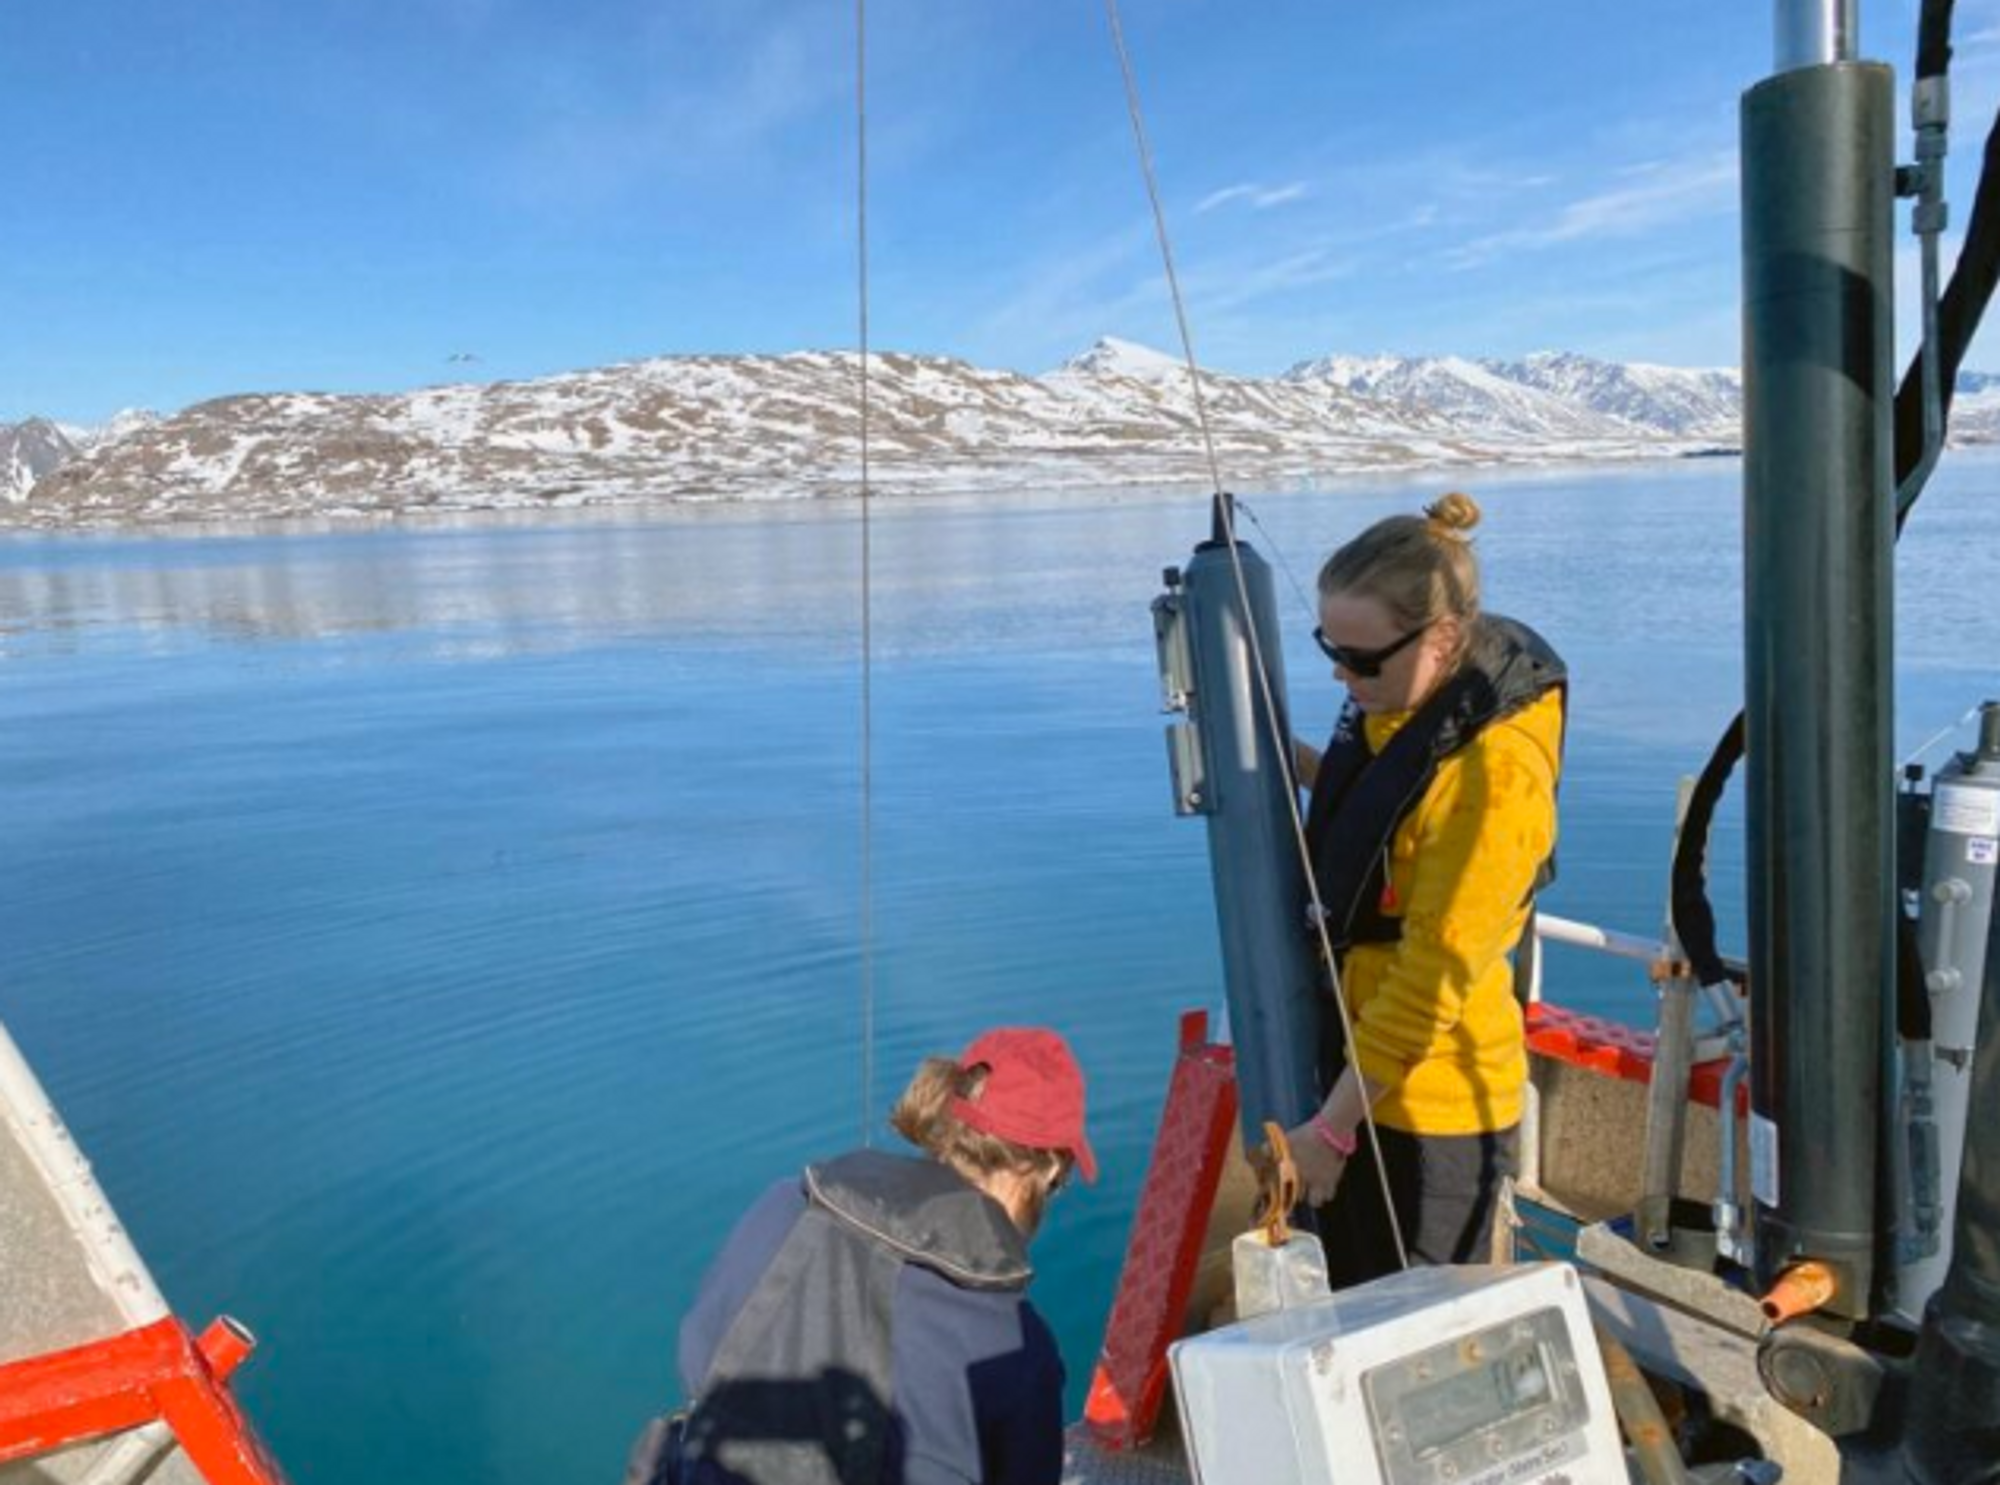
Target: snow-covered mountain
27,452
1112,357
31,449
752,427
1975,408
1552,395
87,436
1671,399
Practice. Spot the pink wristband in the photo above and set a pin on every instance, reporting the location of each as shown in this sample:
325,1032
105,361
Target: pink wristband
1343,1145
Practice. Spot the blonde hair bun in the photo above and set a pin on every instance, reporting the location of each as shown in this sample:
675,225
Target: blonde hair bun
1452,516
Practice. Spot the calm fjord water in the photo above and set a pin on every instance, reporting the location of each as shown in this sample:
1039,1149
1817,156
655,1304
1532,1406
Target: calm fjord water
437,934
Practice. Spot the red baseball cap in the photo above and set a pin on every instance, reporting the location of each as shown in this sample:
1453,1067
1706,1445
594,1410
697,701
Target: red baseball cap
1033,1093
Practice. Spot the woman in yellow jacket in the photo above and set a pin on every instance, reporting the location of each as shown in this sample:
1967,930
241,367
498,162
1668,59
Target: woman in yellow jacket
1432,822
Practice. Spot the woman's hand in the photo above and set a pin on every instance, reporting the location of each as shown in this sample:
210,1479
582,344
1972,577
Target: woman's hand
1319,1165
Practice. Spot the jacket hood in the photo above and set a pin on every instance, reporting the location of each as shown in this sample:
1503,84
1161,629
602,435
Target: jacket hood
927,1213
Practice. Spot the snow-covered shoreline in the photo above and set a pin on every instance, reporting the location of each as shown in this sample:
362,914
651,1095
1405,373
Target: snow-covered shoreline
713,429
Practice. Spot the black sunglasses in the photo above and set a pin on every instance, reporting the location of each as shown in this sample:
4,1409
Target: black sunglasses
1367,664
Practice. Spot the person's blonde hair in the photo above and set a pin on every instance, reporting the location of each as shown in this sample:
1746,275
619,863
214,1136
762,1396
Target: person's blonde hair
1420,568
923,1116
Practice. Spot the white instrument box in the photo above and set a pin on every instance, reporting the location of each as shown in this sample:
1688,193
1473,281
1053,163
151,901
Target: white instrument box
1436,1376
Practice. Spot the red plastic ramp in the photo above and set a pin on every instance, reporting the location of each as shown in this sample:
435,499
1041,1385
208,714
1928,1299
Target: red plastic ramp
1165,1247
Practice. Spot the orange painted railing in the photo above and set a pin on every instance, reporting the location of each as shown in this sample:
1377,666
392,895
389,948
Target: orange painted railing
157,1373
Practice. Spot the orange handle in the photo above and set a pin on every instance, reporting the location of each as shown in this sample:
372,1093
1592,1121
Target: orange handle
1277,1187
1800,1290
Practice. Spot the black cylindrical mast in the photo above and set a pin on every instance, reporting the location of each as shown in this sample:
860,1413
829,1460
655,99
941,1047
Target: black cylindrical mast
1818,193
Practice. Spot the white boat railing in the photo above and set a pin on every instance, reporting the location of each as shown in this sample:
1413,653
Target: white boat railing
1550,928
70,1275
85,1222
1604,940
1677,1047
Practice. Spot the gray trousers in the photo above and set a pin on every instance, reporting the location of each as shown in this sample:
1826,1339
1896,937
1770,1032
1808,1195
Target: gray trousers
1446,1190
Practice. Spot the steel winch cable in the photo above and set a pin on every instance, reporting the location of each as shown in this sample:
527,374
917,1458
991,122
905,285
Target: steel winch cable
1225,522
867,593
1166,244
1278,557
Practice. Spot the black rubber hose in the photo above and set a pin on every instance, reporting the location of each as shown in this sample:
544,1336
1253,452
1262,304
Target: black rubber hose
1934,39
1913,1001
1694,917
1960,309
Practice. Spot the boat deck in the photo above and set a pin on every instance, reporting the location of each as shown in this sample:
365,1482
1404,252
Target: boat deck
1160,1463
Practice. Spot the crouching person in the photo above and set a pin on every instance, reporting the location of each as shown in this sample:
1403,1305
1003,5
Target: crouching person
869,1321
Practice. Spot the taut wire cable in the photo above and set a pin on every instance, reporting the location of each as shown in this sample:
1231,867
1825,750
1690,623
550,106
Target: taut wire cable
1274,721
867,593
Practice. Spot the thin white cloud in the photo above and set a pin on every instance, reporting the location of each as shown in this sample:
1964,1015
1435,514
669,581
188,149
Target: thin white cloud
1280,196
1256,195
1222,197
1068,297
1660,194
1247,286
690,122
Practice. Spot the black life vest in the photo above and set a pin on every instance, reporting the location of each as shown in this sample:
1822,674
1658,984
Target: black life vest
1359,798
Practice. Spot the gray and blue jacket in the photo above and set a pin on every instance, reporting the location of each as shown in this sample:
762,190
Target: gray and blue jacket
868,1324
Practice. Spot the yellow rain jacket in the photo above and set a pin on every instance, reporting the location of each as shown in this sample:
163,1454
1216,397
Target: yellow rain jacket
1435,1020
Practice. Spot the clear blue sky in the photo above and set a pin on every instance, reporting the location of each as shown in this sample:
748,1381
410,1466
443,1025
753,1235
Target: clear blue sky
213,196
